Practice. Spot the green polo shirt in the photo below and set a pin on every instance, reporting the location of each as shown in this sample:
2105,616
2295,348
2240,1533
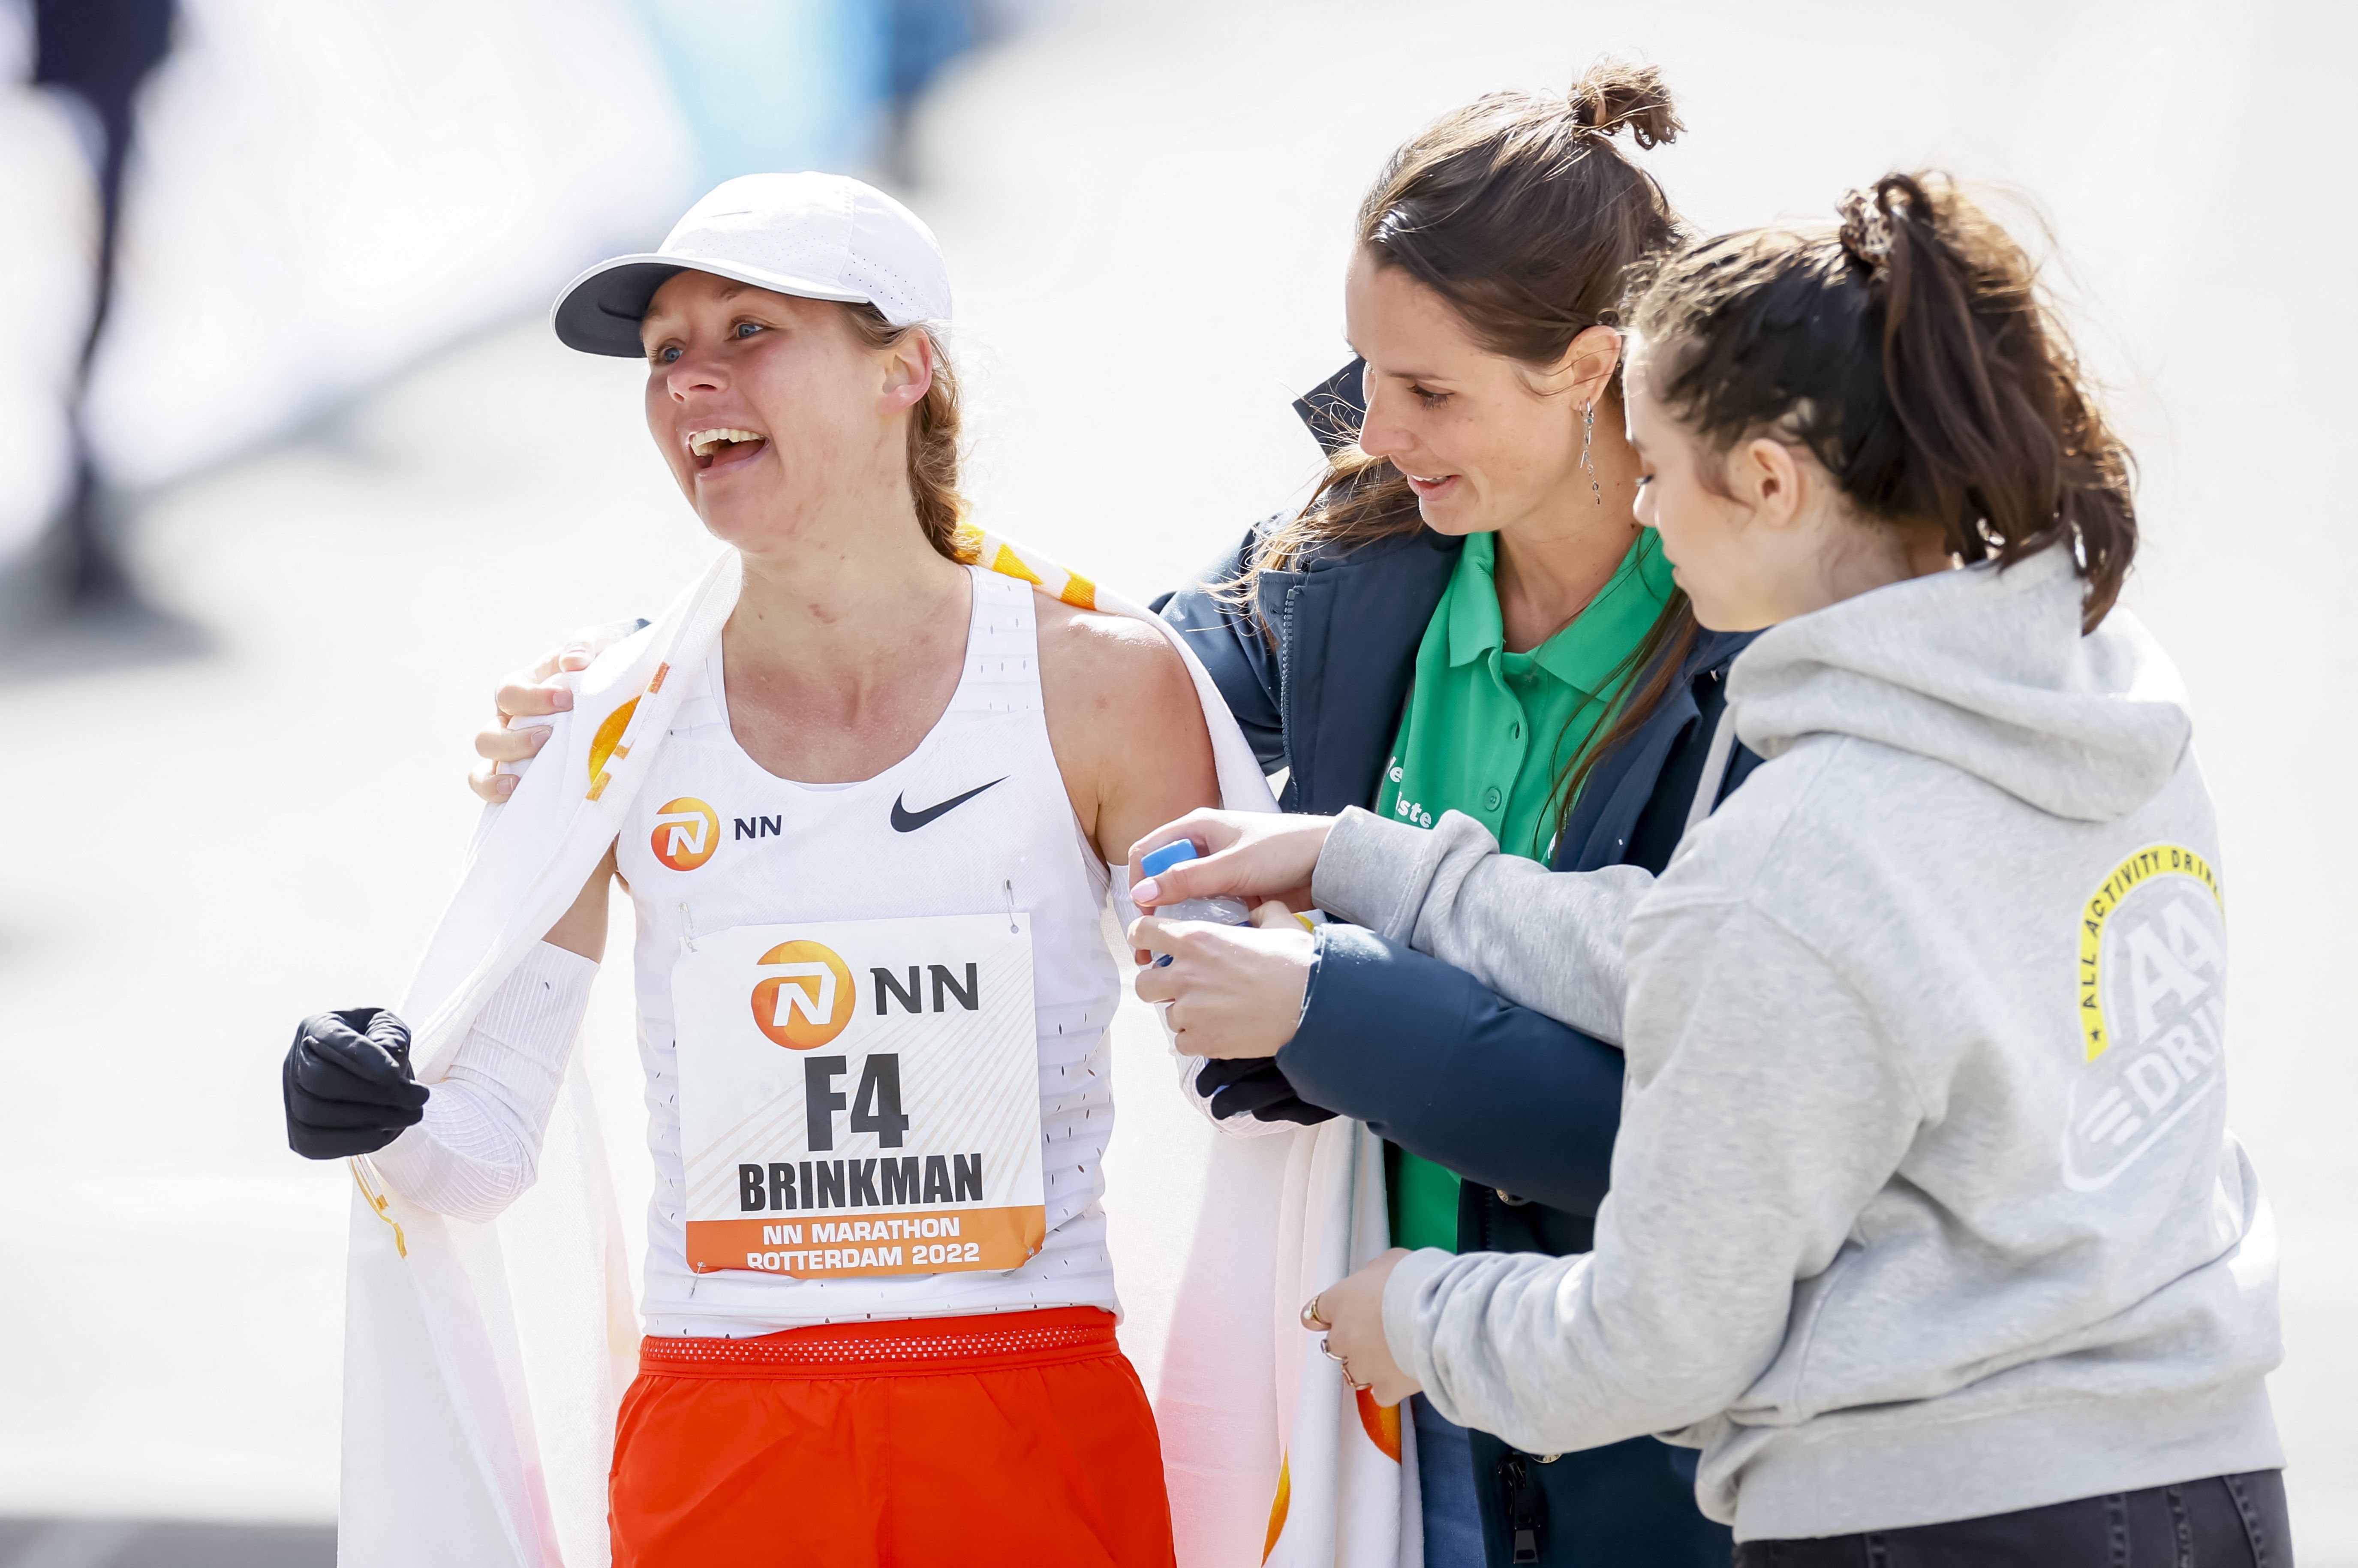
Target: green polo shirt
1489,734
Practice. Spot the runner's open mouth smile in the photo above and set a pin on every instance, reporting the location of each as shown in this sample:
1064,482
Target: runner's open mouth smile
723,446
1427,486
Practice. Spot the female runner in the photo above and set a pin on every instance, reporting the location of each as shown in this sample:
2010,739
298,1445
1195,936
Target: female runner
867,863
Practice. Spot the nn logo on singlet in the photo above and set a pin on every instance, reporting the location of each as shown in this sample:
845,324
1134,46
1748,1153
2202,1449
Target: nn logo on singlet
686,833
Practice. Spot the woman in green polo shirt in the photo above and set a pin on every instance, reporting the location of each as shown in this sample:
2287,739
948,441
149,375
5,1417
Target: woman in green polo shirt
1493,732
1467,617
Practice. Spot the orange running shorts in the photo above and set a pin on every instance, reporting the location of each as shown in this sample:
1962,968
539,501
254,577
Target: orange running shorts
1016,1438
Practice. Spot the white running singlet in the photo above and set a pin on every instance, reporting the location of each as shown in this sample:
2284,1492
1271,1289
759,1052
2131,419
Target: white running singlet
975,822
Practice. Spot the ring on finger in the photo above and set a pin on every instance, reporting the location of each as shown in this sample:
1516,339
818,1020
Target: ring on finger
1327,1349
1311,1317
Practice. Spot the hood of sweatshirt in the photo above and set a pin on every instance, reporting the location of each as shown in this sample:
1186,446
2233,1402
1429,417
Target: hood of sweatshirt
1983,669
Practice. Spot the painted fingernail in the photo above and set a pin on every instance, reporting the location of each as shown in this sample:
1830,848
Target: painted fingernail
1145,893
1163,960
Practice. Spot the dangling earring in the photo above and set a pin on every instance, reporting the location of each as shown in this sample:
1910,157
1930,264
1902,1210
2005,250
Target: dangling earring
1587,435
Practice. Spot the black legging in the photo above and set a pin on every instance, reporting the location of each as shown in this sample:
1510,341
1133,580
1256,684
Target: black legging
2226,1521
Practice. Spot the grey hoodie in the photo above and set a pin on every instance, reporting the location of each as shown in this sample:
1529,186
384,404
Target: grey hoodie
1923,1206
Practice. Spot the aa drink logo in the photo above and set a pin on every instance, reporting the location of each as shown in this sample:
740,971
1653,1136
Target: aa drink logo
686,833
806,997
2153,1011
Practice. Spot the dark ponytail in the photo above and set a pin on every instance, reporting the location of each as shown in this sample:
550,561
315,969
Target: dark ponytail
1912,353
1613,97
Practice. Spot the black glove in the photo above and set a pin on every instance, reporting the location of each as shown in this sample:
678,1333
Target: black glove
1254,1085
349,1092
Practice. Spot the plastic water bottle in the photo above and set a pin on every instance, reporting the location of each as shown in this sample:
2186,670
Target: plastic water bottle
1219,910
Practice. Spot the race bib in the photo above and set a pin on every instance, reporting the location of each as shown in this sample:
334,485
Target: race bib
860,1097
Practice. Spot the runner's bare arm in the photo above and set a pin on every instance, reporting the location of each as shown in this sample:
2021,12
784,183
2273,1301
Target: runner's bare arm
583,928
1126,724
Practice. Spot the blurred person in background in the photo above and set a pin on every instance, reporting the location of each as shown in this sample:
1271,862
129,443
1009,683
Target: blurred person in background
926,764
817,85
1926,1225
99,52
1448,625
923,35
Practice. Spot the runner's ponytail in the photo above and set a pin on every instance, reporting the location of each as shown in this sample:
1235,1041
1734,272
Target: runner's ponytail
1912,352
933,426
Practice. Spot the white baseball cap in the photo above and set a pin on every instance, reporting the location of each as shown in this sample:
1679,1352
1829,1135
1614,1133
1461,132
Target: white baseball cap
821,236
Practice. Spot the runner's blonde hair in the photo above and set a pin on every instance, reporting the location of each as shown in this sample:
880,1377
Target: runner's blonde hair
933,426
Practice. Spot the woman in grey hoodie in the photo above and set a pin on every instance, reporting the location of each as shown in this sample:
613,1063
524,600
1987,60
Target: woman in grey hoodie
1925,1224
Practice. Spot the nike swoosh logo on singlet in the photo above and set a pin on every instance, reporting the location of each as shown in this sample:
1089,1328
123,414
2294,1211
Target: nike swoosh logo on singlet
907,821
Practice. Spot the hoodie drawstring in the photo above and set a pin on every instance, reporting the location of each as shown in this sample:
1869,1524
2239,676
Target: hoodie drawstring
1714,769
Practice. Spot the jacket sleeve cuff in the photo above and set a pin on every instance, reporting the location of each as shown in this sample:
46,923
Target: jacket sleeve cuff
1408,1311
1325,1059
1371,870
1376,874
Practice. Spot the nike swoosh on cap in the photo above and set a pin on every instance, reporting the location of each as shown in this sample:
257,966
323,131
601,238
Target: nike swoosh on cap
907,821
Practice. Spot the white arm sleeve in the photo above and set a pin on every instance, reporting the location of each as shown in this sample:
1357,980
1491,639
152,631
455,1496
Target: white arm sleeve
478,1148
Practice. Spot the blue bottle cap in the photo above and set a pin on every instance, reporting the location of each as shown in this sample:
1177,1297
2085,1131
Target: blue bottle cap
1155,862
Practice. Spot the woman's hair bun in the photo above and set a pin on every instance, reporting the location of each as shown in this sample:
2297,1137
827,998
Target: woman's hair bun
1611,96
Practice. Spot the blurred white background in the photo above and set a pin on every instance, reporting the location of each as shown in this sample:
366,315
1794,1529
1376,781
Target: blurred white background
361,480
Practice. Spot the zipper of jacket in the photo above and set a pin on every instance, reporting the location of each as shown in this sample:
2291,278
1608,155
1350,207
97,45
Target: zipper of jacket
1522,1509
1285,691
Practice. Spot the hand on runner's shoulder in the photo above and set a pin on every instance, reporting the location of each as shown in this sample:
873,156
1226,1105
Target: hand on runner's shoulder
347,1083
1255,855
529,694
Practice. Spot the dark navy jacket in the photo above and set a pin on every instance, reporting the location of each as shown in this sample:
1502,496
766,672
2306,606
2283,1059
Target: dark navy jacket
1433,1061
